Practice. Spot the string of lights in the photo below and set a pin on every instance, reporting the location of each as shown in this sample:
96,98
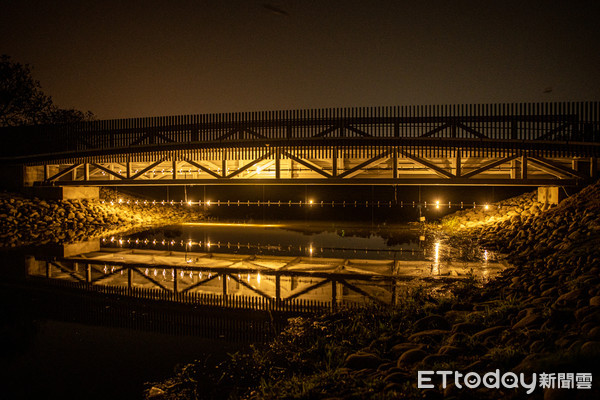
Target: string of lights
192,244
310,203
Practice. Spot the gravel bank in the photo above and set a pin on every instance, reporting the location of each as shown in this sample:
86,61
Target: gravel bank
25,221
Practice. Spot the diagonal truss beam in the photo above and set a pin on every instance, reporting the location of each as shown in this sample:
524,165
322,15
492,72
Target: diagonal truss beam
554,131
163,137
358,131
247,285
327,131
307,289
555,167
436,130
198,284
228,134
365,164
108,171
104,276
254,133
67,271
249,165
157,283
148,168
202,168
289,264
63,172
360,291
307,164
489,166
435,168
471,130
145,136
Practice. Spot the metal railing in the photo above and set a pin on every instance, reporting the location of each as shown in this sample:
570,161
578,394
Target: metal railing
573,121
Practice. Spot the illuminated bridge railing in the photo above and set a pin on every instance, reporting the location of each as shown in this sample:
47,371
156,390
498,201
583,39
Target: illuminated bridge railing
563,122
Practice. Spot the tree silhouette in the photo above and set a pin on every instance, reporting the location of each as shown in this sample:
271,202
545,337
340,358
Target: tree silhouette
22,101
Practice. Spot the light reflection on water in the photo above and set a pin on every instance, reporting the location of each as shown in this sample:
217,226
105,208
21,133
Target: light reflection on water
337,264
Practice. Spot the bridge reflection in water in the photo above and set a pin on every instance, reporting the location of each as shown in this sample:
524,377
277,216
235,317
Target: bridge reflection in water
285,284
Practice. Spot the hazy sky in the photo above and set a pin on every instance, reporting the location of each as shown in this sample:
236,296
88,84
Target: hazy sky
145,58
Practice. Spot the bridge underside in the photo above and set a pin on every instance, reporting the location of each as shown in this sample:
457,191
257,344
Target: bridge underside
318,165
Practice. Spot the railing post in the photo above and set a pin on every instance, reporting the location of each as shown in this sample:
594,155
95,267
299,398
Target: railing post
333,295
277,290
129,281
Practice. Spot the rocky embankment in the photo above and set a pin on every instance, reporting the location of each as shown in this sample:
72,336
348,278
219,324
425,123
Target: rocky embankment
25,221
542,315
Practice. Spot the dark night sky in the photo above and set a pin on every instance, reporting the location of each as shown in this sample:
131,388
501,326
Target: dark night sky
143,58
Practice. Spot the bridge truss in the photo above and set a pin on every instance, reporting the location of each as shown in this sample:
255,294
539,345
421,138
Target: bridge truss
514,144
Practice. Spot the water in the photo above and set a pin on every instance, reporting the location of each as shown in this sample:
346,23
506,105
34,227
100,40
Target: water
69,343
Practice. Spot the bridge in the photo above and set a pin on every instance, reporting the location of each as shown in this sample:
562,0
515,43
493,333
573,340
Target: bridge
529,144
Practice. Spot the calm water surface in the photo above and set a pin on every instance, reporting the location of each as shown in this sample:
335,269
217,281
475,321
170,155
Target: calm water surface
67,346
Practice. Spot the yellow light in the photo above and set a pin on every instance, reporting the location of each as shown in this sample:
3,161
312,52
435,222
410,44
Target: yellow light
189,203
437,204
120,201
487,207
208,202
231,224
310,201
258,169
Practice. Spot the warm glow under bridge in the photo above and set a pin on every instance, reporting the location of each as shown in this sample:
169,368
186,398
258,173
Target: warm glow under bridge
541,144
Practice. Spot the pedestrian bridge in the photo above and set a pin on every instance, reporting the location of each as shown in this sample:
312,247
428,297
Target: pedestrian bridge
530,144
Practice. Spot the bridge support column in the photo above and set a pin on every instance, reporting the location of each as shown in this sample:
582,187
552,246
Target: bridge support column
551,195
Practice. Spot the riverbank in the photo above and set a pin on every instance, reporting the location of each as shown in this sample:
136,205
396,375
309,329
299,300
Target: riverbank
32,221
540,316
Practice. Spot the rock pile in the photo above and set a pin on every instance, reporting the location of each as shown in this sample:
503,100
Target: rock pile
541,315
26,221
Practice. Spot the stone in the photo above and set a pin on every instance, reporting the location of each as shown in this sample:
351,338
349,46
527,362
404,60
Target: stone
431,322
466,327
568,298
591,347
411,357
402,347
429,335
155,393
594,333
595,301
532,319
493,331
362,360
450,350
